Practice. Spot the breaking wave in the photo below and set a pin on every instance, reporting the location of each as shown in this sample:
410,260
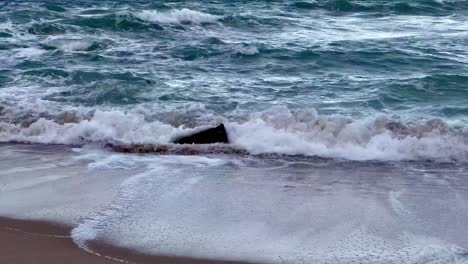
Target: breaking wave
275,131
136,20
73,44
177,16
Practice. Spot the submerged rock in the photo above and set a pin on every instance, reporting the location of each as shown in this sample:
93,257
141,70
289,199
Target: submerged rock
179,149
212,135
140,148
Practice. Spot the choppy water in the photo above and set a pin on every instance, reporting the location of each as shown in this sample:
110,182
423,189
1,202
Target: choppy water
349,117
349,79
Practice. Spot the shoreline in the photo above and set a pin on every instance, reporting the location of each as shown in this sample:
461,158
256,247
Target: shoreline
40,242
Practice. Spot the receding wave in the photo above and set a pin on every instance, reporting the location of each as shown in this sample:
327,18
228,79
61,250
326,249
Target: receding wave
276,131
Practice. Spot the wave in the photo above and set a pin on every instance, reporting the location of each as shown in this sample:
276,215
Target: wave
177,16
145,20
276,131
380,138
117,22
73,44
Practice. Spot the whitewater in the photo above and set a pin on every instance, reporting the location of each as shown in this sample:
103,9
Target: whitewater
347,123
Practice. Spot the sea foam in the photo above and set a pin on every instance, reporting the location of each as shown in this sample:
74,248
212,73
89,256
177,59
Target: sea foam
378,138
177,16
276,131
70,44
200,207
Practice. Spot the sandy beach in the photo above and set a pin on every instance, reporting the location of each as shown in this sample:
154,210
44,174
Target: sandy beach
276,132
26,242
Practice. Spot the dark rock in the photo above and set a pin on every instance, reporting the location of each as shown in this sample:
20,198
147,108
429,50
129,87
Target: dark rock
140,148
178,149
212,135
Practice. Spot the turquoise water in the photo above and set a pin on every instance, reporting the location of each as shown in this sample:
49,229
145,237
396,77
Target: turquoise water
347,123
392,68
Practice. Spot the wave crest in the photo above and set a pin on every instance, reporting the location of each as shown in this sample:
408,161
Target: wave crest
72,44
276,131
177,16
381,138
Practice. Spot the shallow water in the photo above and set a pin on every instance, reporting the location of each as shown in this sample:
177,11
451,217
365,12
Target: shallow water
267,210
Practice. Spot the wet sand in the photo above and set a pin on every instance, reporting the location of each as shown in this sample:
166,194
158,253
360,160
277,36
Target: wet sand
25,242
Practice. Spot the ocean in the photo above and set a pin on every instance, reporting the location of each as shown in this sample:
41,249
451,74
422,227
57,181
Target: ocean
347,123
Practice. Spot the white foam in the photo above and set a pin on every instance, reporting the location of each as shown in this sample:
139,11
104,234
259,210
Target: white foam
177,16
28,52
203,212
89,229
130,189
277,130
246,50
204,208
104,126
307,133
7,26
70,44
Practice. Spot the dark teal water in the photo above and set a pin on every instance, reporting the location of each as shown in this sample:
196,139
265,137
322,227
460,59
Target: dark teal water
347,123
354,69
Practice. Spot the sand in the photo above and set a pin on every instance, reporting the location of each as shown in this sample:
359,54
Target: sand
32,242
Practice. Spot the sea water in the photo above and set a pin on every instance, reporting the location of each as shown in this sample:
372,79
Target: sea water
350,117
